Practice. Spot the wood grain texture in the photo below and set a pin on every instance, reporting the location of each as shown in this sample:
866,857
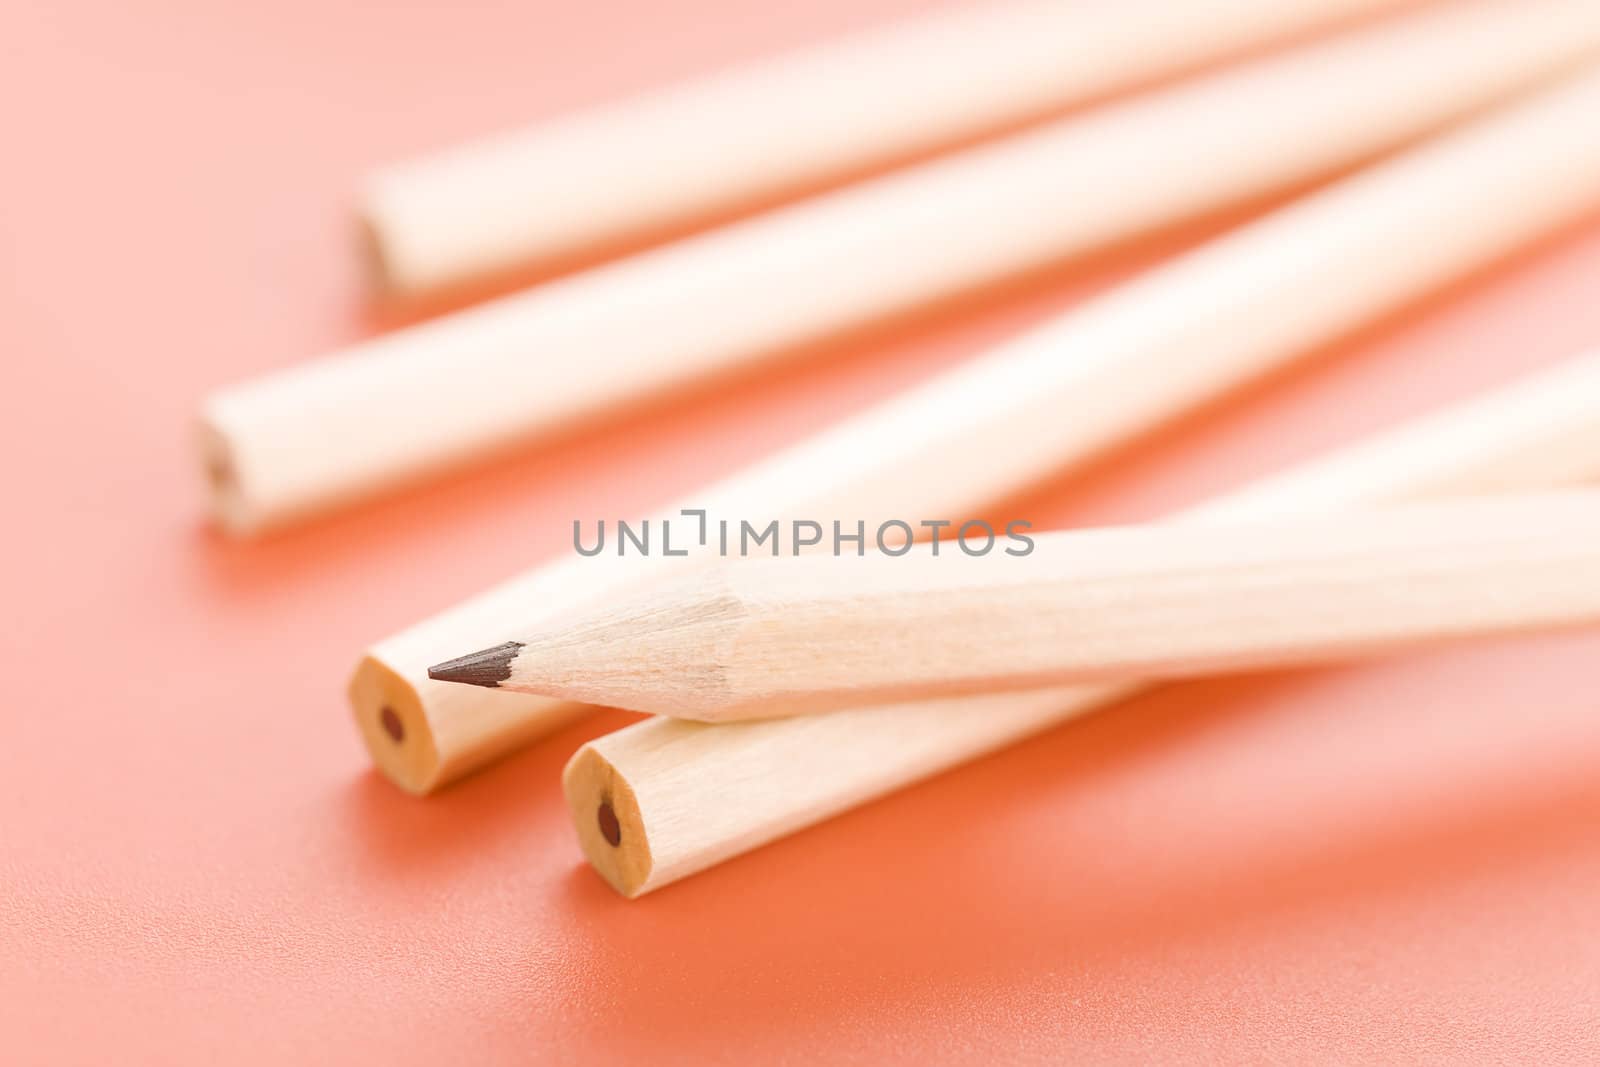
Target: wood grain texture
1173,340
418,402
676,155
688,795
782,636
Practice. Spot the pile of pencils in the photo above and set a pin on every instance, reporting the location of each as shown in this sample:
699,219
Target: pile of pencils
879,638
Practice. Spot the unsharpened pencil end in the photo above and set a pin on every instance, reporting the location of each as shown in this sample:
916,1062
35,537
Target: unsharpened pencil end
487,667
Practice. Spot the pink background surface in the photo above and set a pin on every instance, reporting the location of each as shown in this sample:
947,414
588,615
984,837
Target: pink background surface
1391,862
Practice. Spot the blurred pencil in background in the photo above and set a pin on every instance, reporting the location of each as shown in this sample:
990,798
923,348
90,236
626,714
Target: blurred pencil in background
675,156
426,399
1240,307
664,798
783,636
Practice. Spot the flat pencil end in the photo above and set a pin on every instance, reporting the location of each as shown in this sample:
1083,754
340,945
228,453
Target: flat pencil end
487,667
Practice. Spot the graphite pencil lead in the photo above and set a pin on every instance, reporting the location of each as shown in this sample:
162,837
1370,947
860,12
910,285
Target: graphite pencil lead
487,667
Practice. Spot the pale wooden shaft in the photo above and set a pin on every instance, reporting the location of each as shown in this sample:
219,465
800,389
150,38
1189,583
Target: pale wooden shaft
780,636
1246,304
689,795
677,154
422,400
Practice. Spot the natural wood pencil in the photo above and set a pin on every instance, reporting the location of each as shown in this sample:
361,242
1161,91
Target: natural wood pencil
1240,307
422,400
782,636
672,157
665,798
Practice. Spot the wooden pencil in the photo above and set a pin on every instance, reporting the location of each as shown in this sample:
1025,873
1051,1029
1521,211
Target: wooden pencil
423,400
781,636
672,157
1240,307
665,798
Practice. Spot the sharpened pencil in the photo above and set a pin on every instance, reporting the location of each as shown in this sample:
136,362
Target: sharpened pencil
665,798
783,636
1245,305
418,402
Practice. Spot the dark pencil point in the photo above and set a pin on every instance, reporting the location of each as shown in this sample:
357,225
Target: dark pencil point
488,667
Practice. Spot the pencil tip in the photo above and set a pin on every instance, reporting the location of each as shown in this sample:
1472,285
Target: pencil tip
486,667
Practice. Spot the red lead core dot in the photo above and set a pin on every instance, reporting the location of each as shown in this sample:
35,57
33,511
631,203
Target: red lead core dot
392,725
